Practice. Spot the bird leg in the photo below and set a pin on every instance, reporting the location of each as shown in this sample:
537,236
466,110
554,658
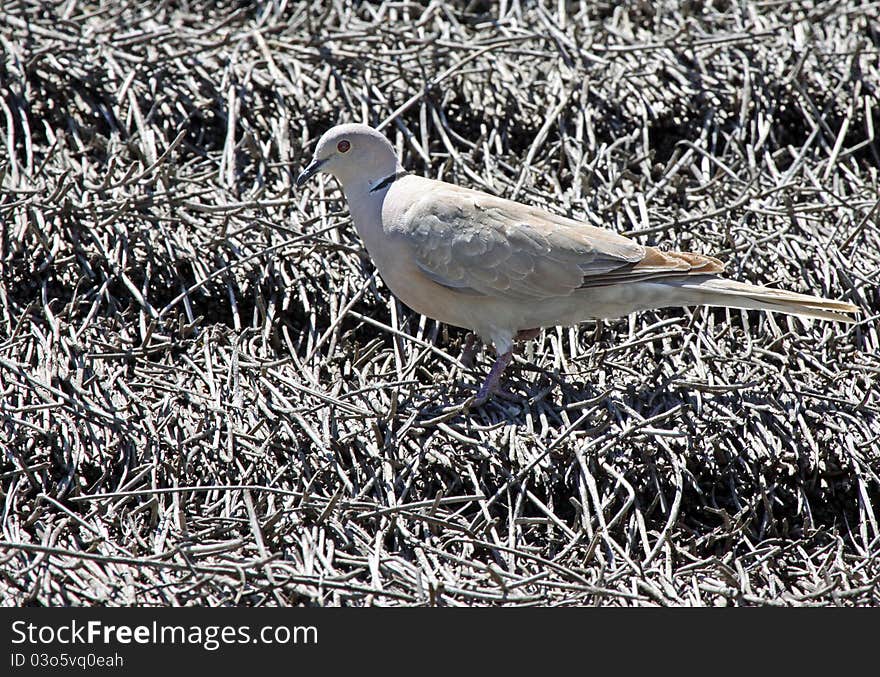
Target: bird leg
468,352
490,385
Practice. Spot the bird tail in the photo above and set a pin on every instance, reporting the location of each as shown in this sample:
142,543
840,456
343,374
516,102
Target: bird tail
717,291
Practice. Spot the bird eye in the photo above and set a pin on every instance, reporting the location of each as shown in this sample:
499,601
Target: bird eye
343,146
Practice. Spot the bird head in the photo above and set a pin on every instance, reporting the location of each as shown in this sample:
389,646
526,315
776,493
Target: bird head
351,153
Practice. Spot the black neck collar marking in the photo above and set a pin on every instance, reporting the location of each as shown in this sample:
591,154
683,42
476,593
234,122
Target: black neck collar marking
388,180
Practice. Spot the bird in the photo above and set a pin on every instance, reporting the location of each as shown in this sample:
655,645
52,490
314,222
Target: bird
505,270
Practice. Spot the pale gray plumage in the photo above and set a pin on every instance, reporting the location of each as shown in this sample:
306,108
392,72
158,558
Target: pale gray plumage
501,268
471,241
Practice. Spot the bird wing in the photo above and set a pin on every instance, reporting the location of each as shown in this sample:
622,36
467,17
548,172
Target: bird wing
476,243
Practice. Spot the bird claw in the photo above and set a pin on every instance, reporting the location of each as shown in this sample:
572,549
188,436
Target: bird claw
472,401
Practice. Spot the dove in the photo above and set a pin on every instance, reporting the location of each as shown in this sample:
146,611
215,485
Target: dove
505,270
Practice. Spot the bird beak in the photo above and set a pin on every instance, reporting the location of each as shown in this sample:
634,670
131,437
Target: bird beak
313,168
